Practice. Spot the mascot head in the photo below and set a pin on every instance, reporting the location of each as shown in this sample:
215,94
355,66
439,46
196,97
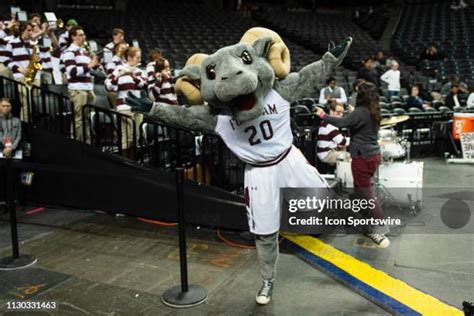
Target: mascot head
238,77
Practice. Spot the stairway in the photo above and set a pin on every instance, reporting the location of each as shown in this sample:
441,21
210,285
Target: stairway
393,18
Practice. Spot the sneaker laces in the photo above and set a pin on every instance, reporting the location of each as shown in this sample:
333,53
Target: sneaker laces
377,237
266,288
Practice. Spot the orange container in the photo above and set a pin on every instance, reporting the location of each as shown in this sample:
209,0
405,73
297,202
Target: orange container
462,123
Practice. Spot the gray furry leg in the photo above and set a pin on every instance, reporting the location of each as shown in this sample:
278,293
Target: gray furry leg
267,250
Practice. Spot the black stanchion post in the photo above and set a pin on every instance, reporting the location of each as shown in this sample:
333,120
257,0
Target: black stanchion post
15,261
184,295
12,210
183,260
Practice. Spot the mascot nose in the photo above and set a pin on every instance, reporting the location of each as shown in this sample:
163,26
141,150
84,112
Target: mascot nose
227,77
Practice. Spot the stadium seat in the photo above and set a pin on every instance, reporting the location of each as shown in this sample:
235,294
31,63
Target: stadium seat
399,111
299,109
397,104
444,109
437,104
414,110
395,98
458,109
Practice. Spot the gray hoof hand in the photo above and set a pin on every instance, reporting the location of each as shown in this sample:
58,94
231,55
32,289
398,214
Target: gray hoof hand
338,50
142,104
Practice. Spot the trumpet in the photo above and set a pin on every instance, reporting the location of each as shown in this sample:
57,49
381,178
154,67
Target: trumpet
59,23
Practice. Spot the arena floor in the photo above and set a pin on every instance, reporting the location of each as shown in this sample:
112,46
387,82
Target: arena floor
100,264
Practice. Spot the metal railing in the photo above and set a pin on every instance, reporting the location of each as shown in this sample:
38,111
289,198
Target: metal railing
109,130
205,157
418,130
51,111
41,107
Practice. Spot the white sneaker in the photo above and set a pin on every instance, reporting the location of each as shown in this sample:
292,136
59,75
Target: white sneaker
265,293
462,4
379,239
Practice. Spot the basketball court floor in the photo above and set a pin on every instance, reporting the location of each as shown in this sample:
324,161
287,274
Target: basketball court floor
101,264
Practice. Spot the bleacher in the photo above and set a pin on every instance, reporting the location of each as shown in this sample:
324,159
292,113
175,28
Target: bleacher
201,29
316,30
424,24
373,20
205,29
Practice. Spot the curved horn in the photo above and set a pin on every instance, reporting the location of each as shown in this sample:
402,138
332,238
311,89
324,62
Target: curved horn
278,54
188,87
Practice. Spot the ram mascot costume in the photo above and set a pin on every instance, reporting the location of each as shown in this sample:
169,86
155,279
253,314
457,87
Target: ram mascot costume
243,93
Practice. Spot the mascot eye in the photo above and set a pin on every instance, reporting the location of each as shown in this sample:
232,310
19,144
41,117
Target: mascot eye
210,72
246,58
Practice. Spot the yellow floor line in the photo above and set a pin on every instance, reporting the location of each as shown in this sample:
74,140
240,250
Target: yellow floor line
381,281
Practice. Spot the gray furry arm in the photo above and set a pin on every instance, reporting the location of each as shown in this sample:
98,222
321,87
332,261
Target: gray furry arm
303,84
197,117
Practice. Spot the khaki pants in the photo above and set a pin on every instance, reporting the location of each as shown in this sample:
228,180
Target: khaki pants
25,103
5,71
127,128
46,77
437,96
112,96
332,157
80,98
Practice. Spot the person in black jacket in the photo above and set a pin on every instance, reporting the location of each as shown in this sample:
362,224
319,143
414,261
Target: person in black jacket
415,100
452,100
363,123
368,73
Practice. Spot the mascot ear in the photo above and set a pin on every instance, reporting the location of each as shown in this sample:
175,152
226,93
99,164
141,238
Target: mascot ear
276,51
188,83
193,72
262,45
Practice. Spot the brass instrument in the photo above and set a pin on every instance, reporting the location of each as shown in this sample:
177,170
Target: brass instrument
56,25
59,23
100,72
34,65
87,47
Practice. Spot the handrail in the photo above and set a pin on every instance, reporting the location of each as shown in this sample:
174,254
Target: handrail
110,130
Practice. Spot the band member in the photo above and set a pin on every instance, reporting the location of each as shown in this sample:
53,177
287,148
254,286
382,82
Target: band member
78,65
22,54
5,37
63,41
331,143
162,90
117,59
153,56
45,39
128,78
363,124
117,37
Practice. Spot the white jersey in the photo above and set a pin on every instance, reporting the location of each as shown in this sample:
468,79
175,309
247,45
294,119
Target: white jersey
263,140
